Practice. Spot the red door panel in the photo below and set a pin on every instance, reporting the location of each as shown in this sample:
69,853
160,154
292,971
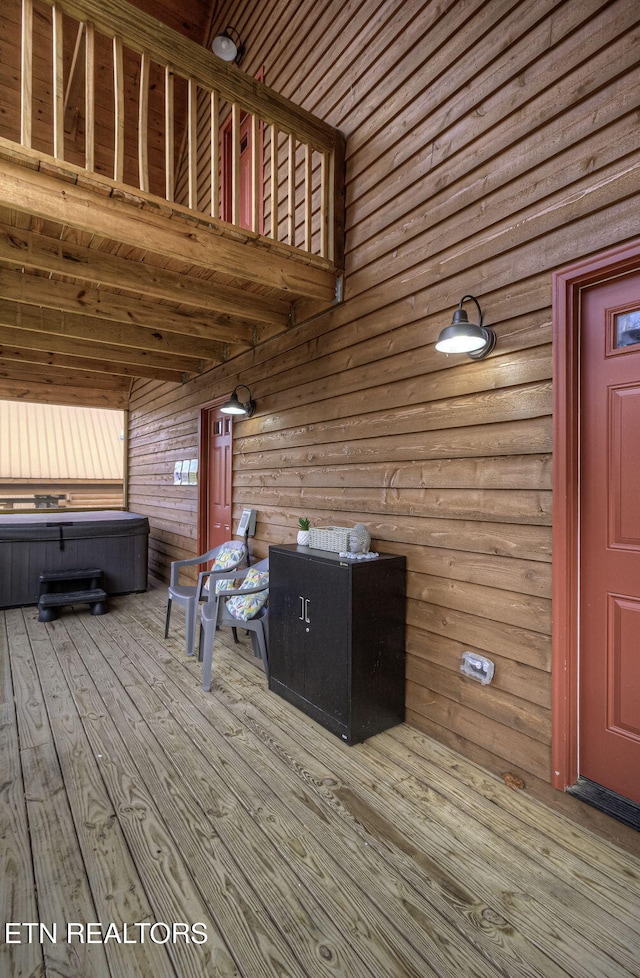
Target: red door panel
609,741
219,479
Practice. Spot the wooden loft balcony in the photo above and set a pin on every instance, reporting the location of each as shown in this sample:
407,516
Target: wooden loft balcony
161,211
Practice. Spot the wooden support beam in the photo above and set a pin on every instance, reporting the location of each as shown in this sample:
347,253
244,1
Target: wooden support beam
34,374
15,390
35,290
121,359
79,206
29,250
56,323
23,356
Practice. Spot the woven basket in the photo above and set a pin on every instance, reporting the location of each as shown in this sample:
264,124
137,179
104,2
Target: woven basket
334,538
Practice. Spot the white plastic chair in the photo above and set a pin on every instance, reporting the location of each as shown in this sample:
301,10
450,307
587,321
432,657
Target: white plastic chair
190,596
215,612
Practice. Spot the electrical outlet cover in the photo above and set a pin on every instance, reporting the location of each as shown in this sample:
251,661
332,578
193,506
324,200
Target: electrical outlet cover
477,667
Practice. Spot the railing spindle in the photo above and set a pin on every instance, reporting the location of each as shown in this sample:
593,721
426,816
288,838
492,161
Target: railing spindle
256,181
169,136
308,196
215,155
291,191
143,123
235,163
58,82
118,103
192,143
325,204
90,98
26,74
274,182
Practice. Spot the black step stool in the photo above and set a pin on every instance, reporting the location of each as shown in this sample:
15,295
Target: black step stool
55,591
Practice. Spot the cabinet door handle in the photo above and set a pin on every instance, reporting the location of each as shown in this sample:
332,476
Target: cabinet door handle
306,610
301,615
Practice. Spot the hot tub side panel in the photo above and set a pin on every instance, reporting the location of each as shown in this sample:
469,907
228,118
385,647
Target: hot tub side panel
115,542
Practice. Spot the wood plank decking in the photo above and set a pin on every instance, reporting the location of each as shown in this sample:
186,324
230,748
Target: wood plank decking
130,796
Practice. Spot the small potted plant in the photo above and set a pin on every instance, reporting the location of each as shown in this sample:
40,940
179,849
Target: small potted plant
303,532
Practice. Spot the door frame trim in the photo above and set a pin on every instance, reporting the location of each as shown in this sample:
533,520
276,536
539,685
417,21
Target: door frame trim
567,285
203,469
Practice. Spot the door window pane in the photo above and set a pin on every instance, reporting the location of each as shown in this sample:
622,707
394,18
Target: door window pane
627,328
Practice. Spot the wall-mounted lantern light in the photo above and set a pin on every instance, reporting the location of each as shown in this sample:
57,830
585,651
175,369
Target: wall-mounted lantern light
234,406
227,47
461,336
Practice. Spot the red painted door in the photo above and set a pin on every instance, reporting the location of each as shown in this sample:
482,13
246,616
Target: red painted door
609,741
219,478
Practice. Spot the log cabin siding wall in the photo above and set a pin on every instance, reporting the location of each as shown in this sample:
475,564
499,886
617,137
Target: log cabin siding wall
487,145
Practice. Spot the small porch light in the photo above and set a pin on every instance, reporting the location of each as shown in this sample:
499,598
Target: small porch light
461,336
234,405
228,48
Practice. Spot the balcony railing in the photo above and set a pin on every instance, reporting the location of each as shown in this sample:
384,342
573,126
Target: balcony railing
107,88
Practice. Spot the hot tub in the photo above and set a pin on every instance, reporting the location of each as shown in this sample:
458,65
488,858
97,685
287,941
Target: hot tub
36,542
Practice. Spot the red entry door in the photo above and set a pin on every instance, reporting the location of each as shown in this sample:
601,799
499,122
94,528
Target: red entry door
609,741
218,477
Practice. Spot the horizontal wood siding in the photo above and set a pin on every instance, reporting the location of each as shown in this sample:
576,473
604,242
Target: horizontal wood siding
487,145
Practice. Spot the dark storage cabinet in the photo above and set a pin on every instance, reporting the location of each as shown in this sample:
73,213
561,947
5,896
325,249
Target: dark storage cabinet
336,638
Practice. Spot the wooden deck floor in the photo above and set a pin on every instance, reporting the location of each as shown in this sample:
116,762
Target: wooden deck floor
131,797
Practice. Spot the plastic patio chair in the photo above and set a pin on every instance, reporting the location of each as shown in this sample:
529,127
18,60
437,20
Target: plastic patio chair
215,612
190,596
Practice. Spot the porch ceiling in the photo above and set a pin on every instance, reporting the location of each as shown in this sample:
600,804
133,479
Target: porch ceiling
99,285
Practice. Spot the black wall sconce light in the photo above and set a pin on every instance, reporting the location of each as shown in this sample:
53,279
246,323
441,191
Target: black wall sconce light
227,47
234,405
461,336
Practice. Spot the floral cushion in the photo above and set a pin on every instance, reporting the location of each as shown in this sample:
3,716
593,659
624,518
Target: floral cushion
247,606
227,559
